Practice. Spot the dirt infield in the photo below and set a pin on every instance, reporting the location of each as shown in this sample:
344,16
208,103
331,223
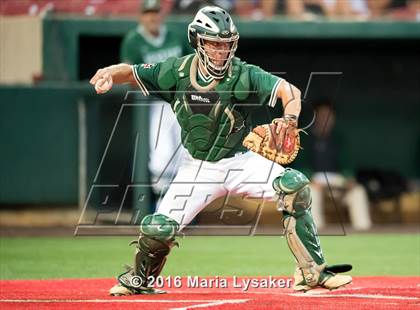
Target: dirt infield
225,293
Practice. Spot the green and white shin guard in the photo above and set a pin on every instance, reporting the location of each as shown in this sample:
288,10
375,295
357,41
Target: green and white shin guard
157,237
294,194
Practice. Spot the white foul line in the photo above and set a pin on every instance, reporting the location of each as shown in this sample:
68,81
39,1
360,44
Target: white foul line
373,296
214,303
229,301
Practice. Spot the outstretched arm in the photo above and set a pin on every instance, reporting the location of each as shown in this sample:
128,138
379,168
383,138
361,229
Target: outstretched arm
290,97
104,78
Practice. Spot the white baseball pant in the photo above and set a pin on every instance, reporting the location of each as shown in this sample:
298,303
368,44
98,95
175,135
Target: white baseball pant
200,182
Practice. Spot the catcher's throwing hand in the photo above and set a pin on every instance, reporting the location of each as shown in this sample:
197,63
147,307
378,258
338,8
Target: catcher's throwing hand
102,81
278,141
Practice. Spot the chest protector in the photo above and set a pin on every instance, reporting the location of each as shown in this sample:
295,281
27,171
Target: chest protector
211,127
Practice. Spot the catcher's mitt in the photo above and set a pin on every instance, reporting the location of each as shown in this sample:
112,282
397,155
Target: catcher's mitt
278,141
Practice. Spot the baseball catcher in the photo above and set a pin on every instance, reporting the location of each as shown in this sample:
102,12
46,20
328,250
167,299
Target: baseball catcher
210,93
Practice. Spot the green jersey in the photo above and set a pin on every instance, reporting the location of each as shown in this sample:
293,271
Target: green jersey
213,123
139,47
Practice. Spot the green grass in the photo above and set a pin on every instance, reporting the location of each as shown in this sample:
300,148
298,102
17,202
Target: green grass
83,257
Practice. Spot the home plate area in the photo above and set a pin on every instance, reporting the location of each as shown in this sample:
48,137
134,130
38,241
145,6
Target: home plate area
363,293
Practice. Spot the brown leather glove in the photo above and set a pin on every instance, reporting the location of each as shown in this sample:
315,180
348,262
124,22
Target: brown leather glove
278,141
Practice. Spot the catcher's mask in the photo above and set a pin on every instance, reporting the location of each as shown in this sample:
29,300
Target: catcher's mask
213,24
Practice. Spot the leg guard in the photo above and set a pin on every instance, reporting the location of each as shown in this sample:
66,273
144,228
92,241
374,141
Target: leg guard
294,194
301,234
157,237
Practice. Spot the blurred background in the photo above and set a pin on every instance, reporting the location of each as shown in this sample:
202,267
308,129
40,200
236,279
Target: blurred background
70,157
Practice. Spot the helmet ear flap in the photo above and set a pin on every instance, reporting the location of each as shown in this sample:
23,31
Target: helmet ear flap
192,37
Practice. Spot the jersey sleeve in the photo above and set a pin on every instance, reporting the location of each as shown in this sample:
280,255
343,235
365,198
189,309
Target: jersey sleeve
265,85
157,79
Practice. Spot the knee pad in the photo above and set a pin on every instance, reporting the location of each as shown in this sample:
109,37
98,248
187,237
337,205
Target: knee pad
159,227
293,190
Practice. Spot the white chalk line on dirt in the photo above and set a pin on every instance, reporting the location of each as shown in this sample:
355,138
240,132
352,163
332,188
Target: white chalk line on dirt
371,296
272,292
215,303
221,301
313,293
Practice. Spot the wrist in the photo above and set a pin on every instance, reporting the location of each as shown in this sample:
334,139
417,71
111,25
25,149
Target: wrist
120,73
289,116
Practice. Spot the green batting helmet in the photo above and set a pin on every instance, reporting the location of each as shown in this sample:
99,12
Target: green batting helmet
213,24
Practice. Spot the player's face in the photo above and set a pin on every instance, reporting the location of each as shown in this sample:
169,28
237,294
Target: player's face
151,21
218,52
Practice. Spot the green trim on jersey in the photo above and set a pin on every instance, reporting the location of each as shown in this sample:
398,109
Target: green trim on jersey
213,123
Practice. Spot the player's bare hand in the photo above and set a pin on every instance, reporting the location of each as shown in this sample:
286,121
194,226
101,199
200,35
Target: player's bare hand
102,80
